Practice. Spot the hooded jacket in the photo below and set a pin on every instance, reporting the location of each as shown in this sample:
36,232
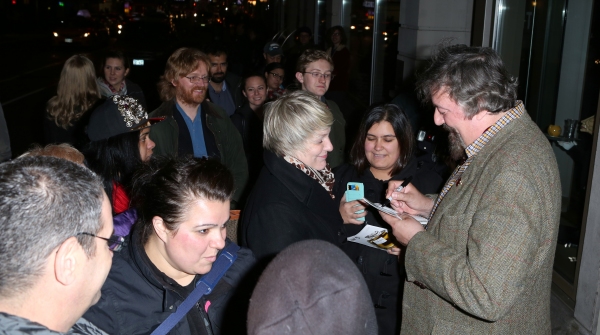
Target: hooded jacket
135,300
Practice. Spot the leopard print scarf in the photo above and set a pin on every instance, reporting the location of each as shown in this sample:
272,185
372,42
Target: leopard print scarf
324,177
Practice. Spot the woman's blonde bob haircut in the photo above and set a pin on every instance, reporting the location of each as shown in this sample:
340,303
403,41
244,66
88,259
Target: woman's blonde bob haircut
291,120
181,63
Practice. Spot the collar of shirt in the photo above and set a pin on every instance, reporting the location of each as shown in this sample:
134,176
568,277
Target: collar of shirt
511,114
185,116
223,88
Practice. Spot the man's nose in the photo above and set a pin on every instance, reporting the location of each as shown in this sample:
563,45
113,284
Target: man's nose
437,118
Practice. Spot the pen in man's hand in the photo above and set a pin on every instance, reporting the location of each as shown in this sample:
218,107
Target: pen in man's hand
402,186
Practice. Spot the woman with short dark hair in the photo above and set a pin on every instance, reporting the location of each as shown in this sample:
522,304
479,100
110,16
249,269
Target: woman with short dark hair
384,150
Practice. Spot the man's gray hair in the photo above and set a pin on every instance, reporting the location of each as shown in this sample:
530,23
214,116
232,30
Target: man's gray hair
43,202
291,120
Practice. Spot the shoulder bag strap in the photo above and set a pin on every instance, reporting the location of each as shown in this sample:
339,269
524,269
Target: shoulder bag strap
204,286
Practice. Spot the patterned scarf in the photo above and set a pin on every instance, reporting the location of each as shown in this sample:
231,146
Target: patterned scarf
324,177
107,90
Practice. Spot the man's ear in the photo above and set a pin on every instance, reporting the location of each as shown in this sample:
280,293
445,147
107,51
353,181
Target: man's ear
126,72
300,77
160,228
479,116
244,93
265,55
174,82
68,257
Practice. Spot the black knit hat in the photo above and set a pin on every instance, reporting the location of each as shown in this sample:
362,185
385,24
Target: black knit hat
118,115
311,287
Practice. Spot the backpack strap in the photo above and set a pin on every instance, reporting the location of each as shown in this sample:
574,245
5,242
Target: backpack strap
204,286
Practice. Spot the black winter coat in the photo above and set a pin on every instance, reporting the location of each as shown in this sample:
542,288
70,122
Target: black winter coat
287,206
135,300
382,272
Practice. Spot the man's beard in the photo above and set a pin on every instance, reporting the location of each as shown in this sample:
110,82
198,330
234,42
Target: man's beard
218,77
456,145
188,97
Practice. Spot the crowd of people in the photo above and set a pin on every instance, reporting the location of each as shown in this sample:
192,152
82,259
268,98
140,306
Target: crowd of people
119,225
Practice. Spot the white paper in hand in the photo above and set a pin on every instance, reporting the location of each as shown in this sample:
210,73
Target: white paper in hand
391,212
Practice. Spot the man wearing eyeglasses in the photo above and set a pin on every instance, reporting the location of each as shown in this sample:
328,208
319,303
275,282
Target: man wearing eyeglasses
56,245
194,125
225,88
314,73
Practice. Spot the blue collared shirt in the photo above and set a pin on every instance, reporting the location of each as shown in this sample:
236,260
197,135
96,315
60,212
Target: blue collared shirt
222,99
196,132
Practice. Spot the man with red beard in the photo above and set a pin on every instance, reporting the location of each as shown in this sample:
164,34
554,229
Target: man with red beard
225,88
483,263
194,126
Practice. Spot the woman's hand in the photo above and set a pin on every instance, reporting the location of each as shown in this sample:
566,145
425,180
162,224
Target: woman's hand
409,200
394,251
348,211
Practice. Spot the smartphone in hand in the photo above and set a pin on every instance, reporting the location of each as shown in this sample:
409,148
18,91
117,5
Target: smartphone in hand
355,191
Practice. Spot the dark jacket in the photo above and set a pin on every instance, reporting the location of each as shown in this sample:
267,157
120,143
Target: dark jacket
223,141
134,90
135,300
382,272
287,206
15,325
250,127
75,134
337,135
234,87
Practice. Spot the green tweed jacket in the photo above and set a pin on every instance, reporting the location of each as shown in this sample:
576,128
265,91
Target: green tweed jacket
484,266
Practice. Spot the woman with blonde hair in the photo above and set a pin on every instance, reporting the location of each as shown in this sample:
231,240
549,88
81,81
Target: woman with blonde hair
293,198
77,95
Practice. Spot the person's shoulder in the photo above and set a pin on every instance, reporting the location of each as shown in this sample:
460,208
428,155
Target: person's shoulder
15,325
344,172
243,264
233,79
132,86
335,110
214,110
84,327
165,109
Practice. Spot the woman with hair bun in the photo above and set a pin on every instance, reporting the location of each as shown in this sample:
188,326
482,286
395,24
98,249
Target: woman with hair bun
183,206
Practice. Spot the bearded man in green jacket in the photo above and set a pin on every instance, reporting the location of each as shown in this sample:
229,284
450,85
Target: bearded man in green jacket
194,125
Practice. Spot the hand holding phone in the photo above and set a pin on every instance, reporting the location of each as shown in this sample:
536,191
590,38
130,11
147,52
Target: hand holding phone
355,191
